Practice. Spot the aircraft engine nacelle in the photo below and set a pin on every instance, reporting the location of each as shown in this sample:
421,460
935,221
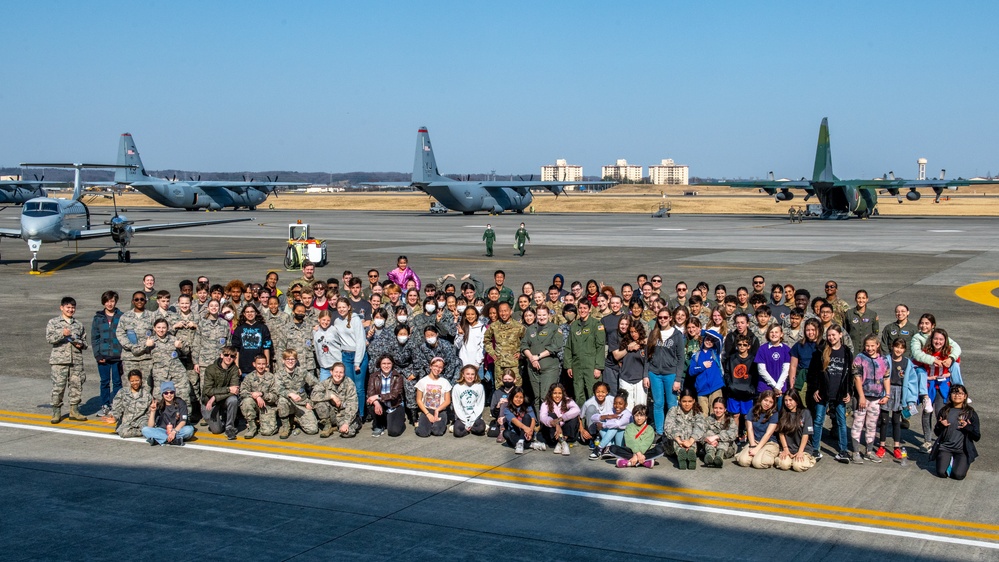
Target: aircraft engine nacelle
913,195
121,231
784,195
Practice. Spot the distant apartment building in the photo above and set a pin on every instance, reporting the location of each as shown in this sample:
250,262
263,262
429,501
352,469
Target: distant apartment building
561,171
621,171
669,173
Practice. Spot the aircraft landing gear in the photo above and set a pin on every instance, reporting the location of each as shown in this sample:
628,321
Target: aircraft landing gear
252,207
468,212
520,211
34,263
124,256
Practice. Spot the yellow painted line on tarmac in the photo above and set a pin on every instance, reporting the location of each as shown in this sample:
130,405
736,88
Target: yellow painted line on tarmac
48,272
980,293
841,515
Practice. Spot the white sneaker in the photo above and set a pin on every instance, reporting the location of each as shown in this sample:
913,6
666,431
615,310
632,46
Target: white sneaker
519,449
538,446
558,448
565,449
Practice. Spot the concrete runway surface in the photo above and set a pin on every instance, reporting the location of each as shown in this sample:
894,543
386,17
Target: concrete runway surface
74,491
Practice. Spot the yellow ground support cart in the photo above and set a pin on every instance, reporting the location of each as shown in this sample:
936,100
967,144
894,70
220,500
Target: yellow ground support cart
301,247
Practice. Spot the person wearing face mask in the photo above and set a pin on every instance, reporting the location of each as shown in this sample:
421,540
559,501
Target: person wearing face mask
433,346
135,332
401,315
393,344
377,325
424,316
221,393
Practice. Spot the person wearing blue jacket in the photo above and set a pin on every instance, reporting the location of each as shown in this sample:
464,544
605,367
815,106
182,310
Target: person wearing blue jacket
107,349
705,368
904,393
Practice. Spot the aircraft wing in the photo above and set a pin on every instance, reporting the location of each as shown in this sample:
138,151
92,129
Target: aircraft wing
99,232
759,184
10,233
241,187
35,184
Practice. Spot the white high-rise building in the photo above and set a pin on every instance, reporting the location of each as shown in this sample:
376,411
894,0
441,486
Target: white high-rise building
669,173
561,172
621,171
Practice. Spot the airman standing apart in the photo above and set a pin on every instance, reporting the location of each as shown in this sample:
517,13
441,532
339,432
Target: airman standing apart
522,238
68,339
584,351
489,236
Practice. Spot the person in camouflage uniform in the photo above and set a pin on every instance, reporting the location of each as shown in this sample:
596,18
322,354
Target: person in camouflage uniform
502,341
432,346
335,402
293,396
167,366
221,393
277,322
135,333
186,329
720,433
298,336
130,408
258,395
839,306
68,338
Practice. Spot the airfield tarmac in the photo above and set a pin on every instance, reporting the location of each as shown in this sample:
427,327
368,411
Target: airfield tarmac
71,485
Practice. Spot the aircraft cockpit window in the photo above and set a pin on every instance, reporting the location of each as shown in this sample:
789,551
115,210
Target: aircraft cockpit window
41,208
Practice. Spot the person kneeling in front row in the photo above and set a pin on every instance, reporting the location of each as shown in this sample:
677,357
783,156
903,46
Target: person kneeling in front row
167,422
335,402
130,408
221,393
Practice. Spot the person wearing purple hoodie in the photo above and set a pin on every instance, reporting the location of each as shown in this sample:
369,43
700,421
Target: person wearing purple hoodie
773,363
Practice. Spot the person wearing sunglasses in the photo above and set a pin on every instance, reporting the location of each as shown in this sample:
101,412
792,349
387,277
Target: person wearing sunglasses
167,423
221,393
135,333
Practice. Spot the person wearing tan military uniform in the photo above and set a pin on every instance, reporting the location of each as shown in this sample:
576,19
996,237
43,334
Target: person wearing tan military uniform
502,341
68,338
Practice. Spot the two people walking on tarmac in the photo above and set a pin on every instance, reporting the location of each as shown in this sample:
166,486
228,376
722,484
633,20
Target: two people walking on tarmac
521,238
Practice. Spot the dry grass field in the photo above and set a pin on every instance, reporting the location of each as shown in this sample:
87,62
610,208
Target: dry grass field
977,201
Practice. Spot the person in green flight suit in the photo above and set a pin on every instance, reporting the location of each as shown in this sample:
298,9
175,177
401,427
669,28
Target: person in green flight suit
522,238
489,236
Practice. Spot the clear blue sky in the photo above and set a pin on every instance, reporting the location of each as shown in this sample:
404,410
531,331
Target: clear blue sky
733,89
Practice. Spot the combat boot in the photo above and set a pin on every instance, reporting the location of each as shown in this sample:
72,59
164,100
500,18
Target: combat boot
251,429
327,428
56,414
74,413
285,428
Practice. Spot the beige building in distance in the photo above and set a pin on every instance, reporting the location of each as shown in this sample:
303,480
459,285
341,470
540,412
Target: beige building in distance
622,171
561,172
669,173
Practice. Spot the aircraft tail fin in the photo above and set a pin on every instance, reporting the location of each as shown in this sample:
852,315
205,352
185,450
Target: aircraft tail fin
823,171
128,155
424,165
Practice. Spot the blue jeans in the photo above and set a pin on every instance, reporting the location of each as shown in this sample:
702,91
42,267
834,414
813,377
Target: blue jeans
110,372
661,388
820,418
159,434
359,377
611,436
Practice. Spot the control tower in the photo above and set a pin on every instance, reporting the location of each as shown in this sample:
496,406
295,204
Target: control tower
922,168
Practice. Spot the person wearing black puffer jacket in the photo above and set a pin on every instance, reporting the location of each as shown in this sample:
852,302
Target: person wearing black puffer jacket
829,388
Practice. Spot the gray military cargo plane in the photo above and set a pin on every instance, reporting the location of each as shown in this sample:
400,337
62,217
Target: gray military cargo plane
45,219
194,194
16,192
842,199
471,196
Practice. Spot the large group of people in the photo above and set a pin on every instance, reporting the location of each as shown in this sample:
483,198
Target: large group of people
633,372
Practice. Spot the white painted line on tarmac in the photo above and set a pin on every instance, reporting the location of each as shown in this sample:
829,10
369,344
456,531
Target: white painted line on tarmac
944,230
671,229
559,491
